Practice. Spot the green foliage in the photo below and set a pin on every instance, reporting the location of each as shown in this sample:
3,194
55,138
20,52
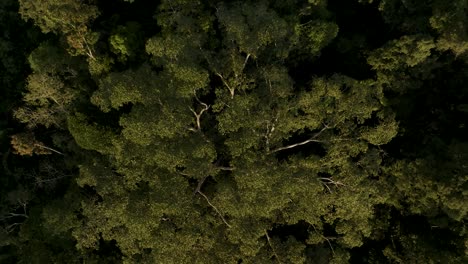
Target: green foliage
251,27
48,58
46,101
126,40
51,90
414,180
408,51
100,65
314,35
449,20
237,131
90,136
69,18
63,16
117,89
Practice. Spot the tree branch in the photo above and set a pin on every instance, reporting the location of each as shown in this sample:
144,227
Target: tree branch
10,215
200,183
271,246
39,180
89,51
312,139
214,207
329,243
329,180
11,227
269,132
326,181
51,149
245,62
198,115
324,184
198,190
296,145
226,168
231,90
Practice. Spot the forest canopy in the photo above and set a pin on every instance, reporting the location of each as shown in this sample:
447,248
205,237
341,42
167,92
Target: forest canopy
257,131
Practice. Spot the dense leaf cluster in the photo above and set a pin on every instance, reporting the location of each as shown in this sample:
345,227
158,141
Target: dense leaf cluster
271,131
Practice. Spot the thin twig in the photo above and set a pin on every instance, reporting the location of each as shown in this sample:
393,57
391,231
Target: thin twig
296,145
184,174
11,227
51,149
326,181
312,139
329,243
329,180
271,246
245,62
333,251
89,52
39,180
324,184
226,168
214,207
12,215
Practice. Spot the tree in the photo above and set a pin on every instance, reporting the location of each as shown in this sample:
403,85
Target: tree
449,20
69,18
239,131
47,101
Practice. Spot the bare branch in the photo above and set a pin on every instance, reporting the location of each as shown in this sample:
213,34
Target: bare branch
329,243
312,139
330,180
324,184
51,149
11,215
24,204
269,132
200,183
231,90
245,62
296,145
326,181
226,168
11,227
39,180
89,51
198,100
214,207
198,115
271,246
184,174
269,84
